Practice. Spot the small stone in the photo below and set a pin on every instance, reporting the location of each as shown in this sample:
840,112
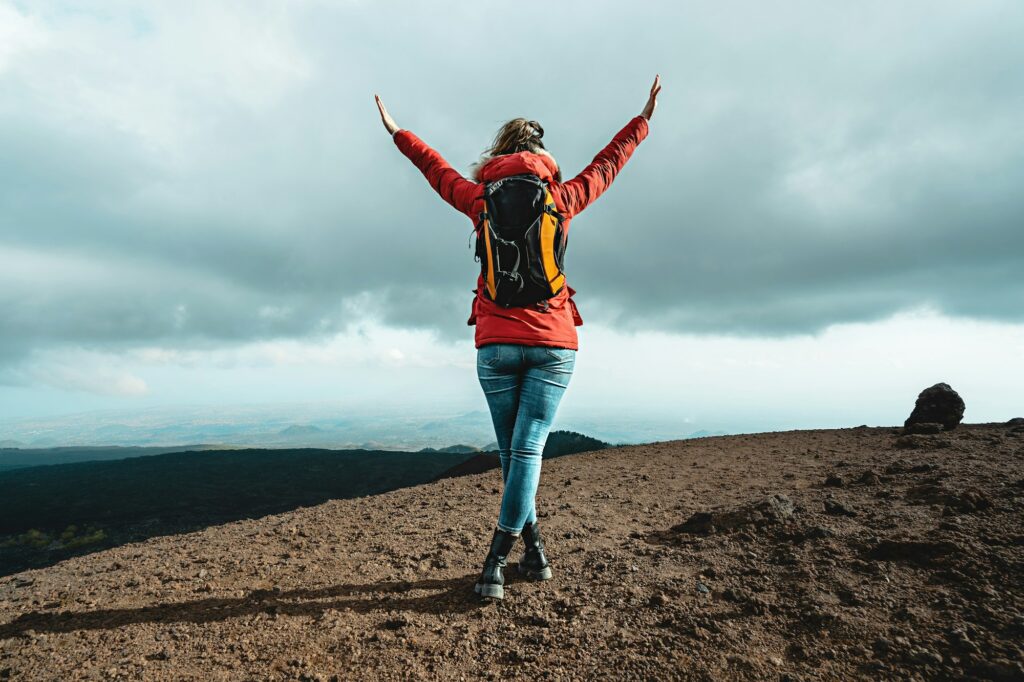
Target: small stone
927,657
836,508
737,595
869,477
739,660
834,481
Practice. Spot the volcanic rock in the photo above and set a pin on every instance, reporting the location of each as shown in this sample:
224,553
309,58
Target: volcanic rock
774,509
834,507
964,501
834,481
938,403
869,477
924,428
917,441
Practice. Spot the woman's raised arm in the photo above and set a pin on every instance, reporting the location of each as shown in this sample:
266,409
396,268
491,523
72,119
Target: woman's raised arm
446,181
593,180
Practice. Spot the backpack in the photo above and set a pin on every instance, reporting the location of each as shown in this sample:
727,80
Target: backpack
520,241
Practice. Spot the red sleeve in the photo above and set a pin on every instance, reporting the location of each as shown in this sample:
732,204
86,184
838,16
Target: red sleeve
446,181
579,192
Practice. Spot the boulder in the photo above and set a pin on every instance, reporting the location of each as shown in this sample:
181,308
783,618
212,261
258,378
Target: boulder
937,404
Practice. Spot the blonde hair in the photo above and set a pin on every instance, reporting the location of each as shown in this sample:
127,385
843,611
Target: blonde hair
518,135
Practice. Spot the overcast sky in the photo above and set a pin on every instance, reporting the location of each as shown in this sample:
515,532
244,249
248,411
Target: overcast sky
198,203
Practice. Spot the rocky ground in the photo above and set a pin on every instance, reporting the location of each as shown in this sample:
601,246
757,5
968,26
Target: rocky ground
825,554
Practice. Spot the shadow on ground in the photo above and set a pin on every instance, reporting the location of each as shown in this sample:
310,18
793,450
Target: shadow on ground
443,596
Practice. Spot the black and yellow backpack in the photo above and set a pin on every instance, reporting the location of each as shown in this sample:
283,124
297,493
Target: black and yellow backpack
520,242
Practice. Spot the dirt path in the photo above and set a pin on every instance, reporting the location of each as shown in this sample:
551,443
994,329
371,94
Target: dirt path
908,563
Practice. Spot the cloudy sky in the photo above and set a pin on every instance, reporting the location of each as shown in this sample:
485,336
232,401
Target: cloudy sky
199,205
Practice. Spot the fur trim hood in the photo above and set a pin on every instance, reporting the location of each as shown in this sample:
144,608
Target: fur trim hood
476,170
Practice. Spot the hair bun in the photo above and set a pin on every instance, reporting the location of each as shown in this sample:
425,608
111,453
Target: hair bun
537,129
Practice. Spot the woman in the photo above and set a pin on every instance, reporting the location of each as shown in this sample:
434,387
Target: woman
525,355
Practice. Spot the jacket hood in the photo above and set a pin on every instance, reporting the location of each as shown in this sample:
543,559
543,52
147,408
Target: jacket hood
493,167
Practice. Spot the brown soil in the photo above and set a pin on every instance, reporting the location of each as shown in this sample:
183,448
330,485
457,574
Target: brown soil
825,554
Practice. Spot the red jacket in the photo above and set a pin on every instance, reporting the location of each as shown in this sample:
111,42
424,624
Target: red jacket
553,324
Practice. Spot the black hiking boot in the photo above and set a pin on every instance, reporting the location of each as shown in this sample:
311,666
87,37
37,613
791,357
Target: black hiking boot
534,564
491,580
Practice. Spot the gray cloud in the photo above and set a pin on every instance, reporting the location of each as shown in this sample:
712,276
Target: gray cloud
804,168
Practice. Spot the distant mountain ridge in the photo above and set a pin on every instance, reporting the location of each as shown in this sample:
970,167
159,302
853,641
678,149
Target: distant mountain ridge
19,458
559,443
319,425
452,448
301,430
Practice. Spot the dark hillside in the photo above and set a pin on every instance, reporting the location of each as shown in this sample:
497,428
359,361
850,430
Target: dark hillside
49,513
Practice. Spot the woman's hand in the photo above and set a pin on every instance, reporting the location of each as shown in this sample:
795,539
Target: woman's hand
652,101
385,117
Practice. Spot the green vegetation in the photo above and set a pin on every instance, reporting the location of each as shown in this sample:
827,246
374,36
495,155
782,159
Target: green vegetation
90,536
34,538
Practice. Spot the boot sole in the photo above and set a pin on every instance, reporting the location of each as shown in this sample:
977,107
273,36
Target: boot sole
543,574
490,591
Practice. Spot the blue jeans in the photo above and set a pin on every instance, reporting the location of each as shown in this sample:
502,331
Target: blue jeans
523,386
